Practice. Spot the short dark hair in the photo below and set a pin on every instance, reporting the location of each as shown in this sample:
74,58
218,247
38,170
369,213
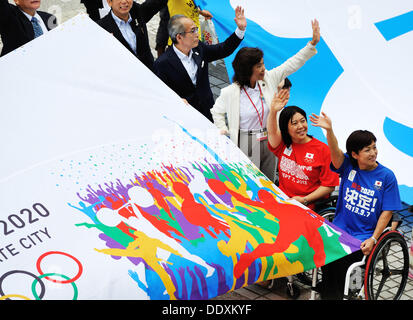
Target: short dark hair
245,59
356,141
175,26
285,117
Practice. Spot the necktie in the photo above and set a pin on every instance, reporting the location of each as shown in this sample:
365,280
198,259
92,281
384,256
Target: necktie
36,27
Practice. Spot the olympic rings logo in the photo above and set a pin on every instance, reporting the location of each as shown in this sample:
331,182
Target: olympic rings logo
42,275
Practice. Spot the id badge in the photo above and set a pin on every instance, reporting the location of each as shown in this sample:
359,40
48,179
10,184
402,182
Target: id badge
261,136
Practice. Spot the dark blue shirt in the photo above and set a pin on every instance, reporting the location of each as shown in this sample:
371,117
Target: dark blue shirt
363,196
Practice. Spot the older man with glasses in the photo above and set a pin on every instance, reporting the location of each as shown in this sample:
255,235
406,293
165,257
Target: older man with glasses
184,65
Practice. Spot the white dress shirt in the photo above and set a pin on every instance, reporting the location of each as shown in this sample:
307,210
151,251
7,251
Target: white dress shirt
126,30
189,63
249,119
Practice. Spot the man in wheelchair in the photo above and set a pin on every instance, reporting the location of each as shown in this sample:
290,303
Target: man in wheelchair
368,195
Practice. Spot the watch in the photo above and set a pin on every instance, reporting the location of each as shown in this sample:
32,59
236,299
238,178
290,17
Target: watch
305,201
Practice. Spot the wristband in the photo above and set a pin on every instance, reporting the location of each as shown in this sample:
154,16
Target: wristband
374,239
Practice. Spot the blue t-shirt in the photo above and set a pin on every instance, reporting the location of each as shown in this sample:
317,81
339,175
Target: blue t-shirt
363,196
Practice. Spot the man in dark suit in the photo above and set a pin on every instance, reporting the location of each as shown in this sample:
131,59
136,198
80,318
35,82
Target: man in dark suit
22,23
184,65
127,22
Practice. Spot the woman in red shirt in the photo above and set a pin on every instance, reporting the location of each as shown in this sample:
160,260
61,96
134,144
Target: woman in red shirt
303,161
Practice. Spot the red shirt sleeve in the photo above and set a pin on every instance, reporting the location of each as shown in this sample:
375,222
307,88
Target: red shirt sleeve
278,150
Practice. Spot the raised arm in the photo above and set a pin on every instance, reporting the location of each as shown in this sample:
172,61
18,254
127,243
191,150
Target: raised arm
227,47
278,102
324,122
6,15
240,19
316,32
295,62
147,9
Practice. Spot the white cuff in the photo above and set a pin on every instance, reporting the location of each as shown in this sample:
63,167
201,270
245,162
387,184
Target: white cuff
240,33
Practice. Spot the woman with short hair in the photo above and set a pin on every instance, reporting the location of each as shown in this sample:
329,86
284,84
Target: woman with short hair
368,195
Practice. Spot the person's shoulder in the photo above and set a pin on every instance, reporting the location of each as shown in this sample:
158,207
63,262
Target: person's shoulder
231,88
385,171
13,7
136,11
45,15
166,56
345,167
5,3
201,47
164,60
278,150
319,144
107,23
9,10
49,19
317,141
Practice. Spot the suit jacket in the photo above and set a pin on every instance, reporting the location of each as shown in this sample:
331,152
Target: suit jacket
169,68
92,4
227,104
140,14
15,29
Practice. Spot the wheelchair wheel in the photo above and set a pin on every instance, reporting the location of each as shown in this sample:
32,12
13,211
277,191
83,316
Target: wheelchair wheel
328,214
387,268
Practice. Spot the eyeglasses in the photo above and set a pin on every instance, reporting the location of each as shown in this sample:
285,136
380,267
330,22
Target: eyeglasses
193,30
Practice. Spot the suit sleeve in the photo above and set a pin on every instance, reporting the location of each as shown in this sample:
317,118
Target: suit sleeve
221,50
147,9
6,14
159,71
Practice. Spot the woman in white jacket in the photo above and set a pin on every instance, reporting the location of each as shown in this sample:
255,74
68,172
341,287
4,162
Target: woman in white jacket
246,102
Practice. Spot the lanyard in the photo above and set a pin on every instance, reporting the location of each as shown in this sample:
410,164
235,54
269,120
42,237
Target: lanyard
261,119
